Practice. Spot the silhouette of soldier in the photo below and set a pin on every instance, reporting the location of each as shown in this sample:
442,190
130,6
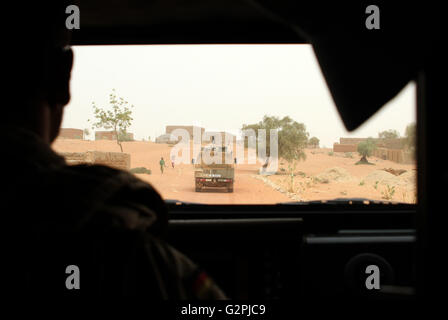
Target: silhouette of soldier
106,222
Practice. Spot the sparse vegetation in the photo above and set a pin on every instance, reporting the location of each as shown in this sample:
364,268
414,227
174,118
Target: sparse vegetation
314,142
408,198
362,183
389,134
331,153
348,155
388,192
304,185
118,119
365,149
292,139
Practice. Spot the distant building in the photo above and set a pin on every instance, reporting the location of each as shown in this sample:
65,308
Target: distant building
165,138
223,134
189,129
397,143
386,149
352,141
105,135
337,147
110,135
70,133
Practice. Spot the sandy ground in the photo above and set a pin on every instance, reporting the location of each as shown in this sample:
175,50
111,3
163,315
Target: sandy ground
178,183
359,183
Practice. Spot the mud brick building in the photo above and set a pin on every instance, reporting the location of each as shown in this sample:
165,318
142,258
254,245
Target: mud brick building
71,133
386,149
110,135
189,129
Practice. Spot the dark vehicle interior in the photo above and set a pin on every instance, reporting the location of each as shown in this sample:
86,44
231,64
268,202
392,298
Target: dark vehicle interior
309,249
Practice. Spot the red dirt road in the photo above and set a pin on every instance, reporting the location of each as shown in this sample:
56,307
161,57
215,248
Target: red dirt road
178,183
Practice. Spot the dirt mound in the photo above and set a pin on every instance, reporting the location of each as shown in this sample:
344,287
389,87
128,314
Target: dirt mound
383,177
333,174
395,172
409,177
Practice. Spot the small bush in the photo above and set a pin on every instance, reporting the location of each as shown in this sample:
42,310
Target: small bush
349,155
331,153
140,170
388,192
362,183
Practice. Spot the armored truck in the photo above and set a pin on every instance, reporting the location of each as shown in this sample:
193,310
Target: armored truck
217,174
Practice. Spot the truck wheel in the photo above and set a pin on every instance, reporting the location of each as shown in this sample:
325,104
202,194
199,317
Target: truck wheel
230,188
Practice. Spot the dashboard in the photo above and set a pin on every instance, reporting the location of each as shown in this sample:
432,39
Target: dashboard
282,252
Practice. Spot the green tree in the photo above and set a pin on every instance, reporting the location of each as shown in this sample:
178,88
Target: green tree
389,134
314,142
117,117
292,140
365,149
292,136
410,137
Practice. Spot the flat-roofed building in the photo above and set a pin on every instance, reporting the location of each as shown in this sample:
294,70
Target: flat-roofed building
71,133
110,135
189,129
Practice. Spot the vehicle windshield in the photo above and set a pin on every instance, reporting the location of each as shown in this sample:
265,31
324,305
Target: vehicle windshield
233,124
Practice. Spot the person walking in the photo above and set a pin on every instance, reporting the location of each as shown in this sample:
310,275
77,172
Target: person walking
162,164
173,159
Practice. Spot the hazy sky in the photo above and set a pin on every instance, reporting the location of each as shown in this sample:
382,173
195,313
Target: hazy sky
218,87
